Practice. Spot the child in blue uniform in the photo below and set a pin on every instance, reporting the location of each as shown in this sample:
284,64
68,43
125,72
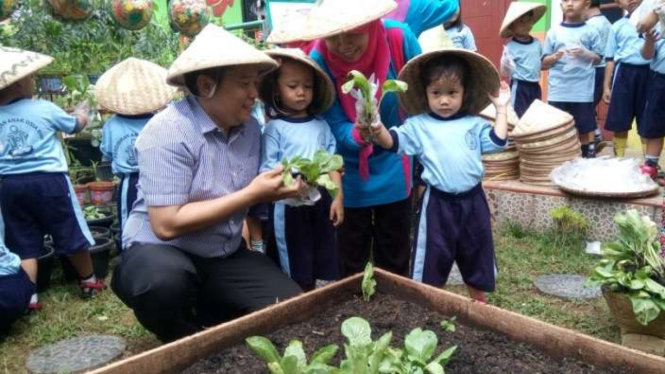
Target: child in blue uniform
571,52
304,236
447,89
627,91
459,33
654,112
133,89
37,197
595,18
15,288
524,52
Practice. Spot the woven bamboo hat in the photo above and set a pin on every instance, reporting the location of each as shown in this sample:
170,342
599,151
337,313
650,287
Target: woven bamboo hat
324,95
215,47
331,17
516,10
134,87
483,80
540,117
16,64
288,32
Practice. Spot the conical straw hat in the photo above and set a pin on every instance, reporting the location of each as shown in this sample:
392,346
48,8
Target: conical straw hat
490,113
16,64
134,87
215,47
291,31
434,39
540,117
516,10
330,17
323,98
483,80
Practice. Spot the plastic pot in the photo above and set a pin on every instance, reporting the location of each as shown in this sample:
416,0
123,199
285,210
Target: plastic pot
81,191
115,227
100,232
99,253
101,222
104,172
118,242
101,193
44,268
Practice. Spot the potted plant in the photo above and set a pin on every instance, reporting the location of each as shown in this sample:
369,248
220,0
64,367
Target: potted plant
632,275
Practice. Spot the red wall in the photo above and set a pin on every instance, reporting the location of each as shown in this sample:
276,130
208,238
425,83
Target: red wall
484,17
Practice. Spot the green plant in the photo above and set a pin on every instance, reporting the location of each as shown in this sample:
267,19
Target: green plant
313,172
93,212
448,325
366,91
294,360
369,283
635,265
569,226
416,357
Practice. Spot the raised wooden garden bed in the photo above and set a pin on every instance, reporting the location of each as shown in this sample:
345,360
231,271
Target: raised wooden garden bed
535,335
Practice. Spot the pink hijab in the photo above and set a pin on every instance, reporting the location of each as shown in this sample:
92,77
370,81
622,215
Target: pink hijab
375,60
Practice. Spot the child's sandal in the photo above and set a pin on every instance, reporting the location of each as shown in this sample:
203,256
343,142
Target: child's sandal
89,290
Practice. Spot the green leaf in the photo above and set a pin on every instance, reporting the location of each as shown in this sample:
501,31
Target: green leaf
380,349
445,356
655,287
636,284
333,163
275,368
357,80
421,344
434,368
294,349
357,331
327,183
368,283
393,85
287,178
448,325
289,365
645,310
325,354
263,348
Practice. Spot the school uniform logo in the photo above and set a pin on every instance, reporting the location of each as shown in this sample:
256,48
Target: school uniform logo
471,140
131,153
17,142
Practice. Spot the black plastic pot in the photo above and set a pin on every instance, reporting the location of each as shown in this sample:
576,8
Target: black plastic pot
44,268
105,222
115,227
118,242
99,253
99,232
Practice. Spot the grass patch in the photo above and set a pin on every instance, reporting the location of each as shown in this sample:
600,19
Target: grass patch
522,256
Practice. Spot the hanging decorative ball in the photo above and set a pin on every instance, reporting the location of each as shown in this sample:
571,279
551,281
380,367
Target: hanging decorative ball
189,16
7,7
71,10
131,14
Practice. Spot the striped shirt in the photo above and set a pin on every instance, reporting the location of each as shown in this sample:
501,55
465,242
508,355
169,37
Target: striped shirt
183,158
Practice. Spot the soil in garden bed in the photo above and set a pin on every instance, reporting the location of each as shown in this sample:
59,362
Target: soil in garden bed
478,351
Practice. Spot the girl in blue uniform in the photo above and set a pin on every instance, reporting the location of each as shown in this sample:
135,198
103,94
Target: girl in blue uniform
36,195
447,90
459,33
654,111
133,89
304,236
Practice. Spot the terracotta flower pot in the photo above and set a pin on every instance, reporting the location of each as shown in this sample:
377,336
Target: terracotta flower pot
81,191
101,193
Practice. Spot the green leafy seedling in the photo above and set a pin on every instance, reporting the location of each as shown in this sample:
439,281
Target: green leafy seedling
448,325
369,283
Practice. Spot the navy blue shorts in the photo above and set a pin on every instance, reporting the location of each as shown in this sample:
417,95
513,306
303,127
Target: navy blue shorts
654,112
629,97
126,197
454,228
15,293
305,241
524,94
37,204
583,113
599,86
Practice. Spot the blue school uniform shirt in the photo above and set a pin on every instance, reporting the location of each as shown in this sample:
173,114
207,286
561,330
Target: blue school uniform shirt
624,44
603,25
449,149
526,56
577,84
28,137
462,37
10,263
658,62
289,137
118,142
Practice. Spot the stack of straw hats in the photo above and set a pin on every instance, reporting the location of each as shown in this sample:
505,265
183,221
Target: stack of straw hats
545,137
505,165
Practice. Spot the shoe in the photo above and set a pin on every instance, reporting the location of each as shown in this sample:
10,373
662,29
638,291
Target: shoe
601,145
33,308
89,290
650,171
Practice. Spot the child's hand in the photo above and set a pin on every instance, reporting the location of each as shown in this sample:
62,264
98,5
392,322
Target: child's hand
607,94
501,98
558,55
651,36
337,211
581,53
376,128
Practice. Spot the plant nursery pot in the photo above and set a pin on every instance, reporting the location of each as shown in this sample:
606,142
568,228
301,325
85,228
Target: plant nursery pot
100,260
81,191
99,232
101,222
44,268
115,227
101,193
622,310
118,242
104,172
320,307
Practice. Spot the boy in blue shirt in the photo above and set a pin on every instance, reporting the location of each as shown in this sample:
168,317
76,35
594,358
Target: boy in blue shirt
597,19
37,197
133,89
626,93
523,53
571,51
654,111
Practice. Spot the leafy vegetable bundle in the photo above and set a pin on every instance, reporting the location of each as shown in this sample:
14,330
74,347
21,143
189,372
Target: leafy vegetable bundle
93,212
313,172
364,91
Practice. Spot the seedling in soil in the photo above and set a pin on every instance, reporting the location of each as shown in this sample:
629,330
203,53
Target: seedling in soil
369,283
448,325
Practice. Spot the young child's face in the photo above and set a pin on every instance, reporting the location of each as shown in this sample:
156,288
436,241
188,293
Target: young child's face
295,86
523,25
629,5
574,9
445,96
